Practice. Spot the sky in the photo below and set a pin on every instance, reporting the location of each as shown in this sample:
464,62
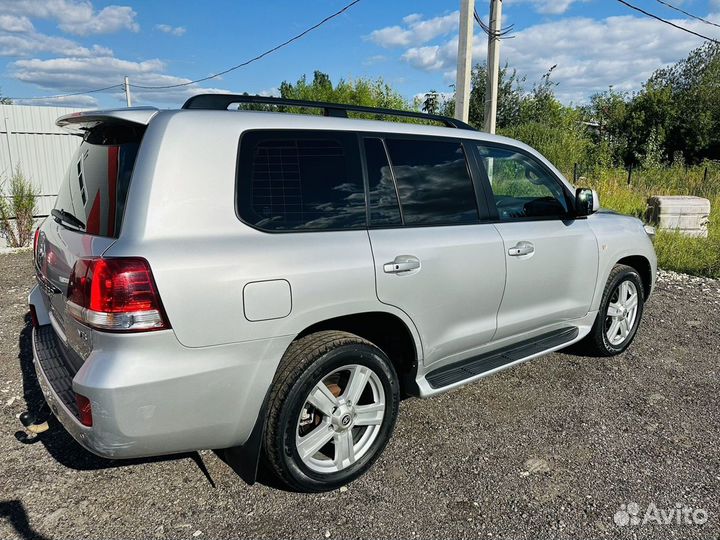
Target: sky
52,47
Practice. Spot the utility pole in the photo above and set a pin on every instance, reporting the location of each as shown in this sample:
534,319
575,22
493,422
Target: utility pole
127,92
464,60
493,65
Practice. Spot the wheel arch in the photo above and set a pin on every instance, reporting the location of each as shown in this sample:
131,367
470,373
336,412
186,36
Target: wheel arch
642,265
388,332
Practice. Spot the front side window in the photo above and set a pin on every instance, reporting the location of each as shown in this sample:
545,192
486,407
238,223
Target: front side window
521,187
300,180
433,182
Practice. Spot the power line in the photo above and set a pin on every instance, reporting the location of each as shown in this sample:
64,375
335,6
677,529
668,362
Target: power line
256,58
501,34
67,95
688,14
233,68
668,22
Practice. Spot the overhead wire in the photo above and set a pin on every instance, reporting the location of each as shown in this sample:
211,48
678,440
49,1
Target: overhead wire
219,74
687,13
501,34
58,96
656,17
254,59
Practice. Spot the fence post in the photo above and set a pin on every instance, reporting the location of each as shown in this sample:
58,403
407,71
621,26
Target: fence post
8,135
630,175
705,177
575,173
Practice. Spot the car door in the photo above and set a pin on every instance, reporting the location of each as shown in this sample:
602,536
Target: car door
433,259
551,257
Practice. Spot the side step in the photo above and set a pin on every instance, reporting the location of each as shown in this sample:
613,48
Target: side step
476,365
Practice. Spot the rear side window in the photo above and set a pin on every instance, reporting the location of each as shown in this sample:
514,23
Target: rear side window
300,180
433,182
382,194
96,184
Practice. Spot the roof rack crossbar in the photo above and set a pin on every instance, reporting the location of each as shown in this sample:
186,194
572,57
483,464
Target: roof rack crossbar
219,102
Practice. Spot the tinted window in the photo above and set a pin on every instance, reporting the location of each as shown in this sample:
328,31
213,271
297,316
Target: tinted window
382,196
300,180
433,182
96,185
522,188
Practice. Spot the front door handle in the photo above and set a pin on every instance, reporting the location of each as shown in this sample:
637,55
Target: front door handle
402,263
521,248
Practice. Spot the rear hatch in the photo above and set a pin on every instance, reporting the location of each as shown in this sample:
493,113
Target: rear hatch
88,213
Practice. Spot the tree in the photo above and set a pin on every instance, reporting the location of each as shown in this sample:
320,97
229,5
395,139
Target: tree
431,105
678,109
366,92
510,94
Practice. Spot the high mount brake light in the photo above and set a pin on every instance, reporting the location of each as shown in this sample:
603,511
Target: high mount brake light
116,295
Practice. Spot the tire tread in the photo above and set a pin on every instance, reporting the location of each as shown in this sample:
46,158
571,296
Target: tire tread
298,357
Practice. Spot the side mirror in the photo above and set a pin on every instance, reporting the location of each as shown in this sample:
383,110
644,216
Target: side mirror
586,202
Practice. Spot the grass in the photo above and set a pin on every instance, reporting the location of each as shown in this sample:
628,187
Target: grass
697,256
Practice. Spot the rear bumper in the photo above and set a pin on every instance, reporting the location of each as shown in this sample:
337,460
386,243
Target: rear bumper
150,395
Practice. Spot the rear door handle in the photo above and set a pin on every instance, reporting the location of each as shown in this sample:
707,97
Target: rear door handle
521,248
402,263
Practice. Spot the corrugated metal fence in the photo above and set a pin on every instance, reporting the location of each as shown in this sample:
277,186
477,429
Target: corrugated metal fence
29,139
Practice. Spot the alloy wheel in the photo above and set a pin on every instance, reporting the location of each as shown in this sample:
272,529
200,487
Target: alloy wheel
621,313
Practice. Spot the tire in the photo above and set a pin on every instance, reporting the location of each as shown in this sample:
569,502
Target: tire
352,435
599,341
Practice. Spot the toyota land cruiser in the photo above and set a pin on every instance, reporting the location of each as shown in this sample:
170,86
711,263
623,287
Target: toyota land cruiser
270,285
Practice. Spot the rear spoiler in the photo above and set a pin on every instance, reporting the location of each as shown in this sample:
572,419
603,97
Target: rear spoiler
87,119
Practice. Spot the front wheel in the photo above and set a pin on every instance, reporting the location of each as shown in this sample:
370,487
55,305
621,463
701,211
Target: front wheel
620,312
331,412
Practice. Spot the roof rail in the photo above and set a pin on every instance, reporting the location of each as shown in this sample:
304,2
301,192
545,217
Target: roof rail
220,102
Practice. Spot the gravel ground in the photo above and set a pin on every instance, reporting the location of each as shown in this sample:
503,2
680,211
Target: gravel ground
549,449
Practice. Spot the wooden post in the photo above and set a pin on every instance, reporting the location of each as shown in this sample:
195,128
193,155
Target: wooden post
630,175
575,173
705,177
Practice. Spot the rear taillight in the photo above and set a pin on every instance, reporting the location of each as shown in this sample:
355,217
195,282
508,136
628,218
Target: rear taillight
84,409
116,295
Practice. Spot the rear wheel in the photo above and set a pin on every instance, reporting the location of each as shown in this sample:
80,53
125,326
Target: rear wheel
331,412
620,312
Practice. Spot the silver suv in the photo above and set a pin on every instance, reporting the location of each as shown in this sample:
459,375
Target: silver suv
271,285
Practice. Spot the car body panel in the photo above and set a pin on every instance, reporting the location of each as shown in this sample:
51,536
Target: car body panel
536,294
202,383
453,298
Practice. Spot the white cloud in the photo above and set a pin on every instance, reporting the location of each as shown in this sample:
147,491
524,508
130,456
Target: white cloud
173,30
75,16
416,32
590,54
108,20
65,101
549,7
67,75
30,43
12,23
270,92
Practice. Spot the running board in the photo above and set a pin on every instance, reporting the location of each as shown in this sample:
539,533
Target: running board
476,365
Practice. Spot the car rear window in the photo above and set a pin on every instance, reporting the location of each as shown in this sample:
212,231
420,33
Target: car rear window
96,184
300,180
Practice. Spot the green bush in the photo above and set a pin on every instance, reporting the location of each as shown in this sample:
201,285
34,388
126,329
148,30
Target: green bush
697,256
17,208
